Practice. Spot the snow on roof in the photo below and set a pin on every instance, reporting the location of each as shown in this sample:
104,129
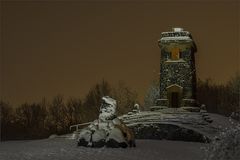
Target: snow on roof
187,38
176,35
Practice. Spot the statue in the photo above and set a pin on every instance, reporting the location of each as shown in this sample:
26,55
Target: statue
107,130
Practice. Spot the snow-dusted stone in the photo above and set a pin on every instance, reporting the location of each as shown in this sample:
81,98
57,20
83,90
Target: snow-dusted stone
136,108
52,136
98,138
116,139
104,131
84,138
169,131
156,108
175,124
192,109
116,121
107,109
130,113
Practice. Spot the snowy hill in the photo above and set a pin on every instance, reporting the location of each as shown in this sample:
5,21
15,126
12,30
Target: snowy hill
66,149
65,146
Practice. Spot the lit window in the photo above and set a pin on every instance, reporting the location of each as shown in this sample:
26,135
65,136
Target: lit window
175,54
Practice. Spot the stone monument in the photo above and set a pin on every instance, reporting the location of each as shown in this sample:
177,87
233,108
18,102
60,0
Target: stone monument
108,130
177,69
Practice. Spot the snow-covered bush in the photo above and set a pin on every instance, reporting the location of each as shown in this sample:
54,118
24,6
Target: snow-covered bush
226,146
152,94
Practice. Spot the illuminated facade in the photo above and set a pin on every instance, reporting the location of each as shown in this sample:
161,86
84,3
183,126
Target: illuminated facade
177,69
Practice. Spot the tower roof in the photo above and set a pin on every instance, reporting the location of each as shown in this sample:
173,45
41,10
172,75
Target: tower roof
177,35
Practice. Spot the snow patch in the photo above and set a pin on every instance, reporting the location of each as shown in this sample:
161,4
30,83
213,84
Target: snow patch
107,109
99,135
117,135
186,38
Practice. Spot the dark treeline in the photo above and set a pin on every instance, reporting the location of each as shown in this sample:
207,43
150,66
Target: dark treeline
223,99
40,120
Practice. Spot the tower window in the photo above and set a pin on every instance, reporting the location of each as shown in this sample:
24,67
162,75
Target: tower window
175,54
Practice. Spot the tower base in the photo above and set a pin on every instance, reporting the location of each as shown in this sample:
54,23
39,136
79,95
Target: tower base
162,102
184,102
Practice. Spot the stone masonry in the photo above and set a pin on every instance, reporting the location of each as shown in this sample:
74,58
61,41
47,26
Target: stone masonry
177,69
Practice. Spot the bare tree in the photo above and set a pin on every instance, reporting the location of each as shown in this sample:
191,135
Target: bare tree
152,94
125,96
92,100
56,118
74,111
7,117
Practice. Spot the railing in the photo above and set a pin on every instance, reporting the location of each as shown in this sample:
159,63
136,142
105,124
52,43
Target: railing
78,126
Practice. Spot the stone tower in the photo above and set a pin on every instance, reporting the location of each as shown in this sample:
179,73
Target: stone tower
177,69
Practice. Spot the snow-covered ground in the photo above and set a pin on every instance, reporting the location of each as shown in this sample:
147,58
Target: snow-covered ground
66,149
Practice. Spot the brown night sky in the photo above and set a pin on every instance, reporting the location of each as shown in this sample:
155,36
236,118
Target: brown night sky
64,47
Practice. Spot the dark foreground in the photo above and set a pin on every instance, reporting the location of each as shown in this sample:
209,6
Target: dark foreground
65,149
